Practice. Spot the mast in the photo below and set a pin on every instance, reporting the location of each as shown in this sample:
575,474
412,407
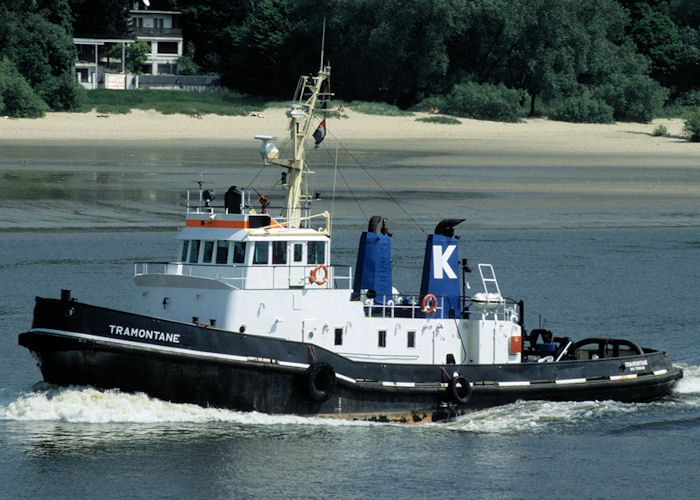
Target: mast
301,115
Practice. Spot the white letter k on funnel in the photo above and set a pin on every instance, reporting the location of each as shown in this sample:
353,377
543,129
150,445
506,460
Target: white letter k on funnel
440,262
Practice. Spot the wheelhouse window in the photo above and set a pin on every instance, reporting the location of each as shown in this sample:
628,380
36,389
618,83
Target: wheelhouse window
338,336
279,252
410,339
222,252
298,252
381,338
185,249
194,251
262,251
239,252
316,252
208,252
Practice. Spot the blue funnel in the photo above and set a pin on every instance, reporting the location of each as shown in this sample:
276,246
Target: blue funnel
441,269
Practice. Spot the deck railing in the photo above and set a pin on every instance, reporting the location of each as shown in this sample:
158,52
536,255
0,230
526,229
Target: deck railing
411,306
258,277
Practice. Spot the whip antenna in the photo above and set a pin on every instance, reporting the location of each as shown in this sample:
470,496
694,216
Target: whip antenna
323,41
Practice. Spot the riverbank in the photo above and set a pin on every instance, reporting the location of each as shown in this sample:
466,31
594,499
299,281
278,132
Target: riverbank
141,126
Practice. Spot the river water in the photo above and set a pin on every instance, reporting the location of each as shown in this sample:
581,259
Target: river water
593,248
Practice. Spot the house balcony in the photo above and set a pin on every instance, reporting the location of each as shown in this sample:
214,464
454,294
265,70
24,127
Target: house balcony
173,32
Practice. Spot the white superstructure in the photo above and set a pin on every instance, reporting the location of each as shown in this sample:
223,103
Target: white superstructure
239,269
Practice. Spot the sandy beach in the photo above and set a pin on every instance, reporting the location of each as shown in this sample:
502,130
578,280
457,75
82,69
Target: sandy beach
98,171
531,136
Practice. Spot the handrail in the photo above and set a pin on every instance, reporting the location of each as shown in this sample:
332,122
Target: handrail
263,276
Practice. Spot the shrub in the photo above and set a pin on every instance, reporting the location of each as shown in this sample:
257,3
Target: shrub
633,98
62,93
660,131
691,98
432,102
582,108
691,127
484,101
378,108
113,109
445,120
18,97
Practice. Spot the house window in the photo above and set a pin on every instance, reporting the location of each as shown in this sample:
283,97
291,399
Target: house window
167,48
410,339
208,251
338,336
222,252
279,252
166,69
261,255
185,247
239,252
381,338
194,251
316,252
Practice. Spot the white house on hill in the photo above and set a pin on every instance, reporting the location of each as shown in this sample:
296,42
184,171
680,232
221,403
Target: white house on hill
158,28
161,30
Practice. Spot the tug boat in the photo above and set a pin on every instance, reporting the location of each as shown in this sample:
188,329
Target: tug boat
253,316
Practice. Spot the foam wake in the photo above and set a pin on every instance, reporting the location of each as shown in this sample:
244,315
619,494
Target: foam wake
537,416
89,405
690,383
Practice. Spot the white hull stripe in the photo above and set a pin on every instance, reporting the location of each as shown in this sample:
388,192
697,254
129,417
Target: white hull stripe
623,377
399,384
571,381
514,384
663,371
346,378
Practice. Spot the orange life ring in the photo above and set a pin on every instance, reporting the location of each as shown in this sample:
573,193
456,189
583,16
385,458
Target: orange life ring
313,278
429,304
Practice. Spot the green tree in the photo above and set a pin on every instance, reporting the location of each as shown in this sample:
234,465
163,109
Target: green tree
137,54
657,37
186,62
42,51
100,18
404,55
542,46
208,24
688,75
266,49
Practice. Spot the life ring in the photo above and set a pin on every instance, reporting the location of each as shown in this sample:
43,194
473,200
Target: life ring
321,381
460,390
314,272
429,304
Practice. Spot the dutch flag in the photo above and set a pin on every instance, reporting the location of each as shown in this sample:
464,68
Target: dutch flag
320,132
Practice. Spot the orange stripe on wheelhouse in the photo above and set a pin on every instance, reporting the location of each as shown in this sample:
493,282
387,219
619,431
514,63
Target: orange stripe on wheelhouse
231,224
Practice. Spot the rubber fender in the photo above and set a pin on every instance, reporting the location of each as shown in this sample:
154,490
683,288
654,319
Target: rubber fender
460,390
321,381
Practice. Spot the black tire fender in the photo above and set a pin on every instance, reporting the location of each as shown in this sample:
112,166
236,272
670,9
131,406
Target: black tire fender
321,381
460,390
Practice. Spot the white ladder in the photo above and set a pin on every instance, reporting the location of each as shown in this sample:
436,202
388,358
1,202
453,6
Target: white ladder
488,276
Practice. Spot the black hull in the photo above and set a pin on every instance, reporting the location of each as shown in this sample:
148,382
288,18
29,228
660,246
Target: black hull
79,344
